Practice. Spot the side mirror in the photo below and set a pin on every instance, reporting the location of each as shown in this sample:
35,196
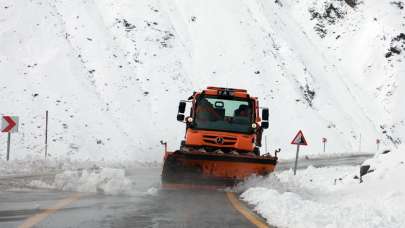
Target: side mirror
276,152
182,109
265,118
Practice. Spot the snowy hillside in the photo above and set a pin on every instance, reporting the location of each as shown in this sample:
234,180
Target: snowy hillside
111,72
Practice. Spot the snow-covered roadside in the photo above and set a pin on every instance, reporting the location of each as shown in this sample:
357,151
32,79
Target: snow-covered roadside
102,177
331,197
110,181
31,166
326,156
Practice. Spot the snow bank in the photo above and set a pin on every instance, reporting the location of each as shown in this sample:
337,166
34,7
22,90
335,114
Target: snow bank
32,166
331,197
79,176
306,181
289,209
104,180
387,167
28,166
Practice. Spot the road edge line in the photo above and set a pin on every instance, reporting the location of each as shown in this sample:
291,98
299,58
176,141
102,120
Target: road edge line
249,215
37,218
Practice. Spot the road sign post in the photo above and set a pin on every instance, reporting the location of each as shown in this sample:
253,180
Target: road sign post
298,140
46,134
8,145
296,160
9,124
324,141
378,144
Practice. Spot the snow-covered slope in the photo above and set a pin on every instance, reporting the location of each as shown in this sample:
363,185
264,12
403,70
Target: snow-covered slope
111,72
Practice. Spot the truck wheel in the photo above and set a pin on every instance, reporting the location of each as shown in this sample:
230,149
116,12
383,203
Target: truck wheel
182,144
256,151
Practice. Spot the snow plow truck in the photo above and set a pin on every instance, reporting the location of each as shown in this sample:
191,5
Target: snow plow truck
222,139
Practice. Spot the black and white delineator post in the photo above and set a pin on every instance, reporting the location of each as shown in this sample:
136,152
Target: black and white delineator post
298,140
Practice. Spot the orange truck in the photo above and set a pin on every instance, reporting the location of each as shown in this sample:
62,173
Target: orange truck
222,140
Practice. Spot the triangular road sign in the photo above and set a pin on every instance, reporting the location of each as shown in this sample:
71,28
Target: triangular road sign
299,139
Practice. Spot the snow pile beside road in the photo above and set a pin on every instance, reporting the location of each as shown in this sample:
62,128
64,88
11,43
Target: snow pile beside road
310,180
71,175
331,197
104,180
34,166
30,166
386,167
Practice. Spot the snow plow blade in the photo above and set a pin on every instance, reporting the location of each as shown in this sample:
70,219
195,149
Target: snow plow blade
202,168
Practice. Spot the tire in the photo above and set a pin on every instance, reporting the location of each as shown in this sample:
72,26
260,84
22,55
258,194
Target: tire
256,151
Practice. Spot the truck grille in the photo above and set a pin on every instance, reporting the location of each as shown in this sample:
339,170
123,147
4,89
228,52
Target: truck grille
219,140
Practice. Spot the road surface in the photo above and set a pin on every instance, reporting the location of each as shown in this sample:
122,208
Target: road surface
27,207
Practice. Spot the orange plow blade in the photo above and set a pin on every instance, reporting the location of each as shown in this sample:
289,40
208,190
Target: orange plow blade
184,167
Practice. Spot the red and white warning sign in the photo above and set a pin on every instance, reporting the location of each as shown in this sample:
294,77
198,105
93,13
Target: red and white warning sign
9,124
299,139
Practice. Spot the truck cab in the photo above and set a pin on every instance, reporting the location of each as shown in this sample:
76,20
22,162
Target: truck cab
223,120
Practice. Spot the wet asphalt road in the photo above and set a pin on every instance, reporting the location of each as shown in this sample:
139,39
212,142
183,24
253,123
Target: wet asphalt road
163,208
158,208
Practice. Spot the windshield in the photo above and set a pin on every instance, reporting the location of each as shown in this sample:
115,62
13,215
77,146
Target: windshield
223,115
